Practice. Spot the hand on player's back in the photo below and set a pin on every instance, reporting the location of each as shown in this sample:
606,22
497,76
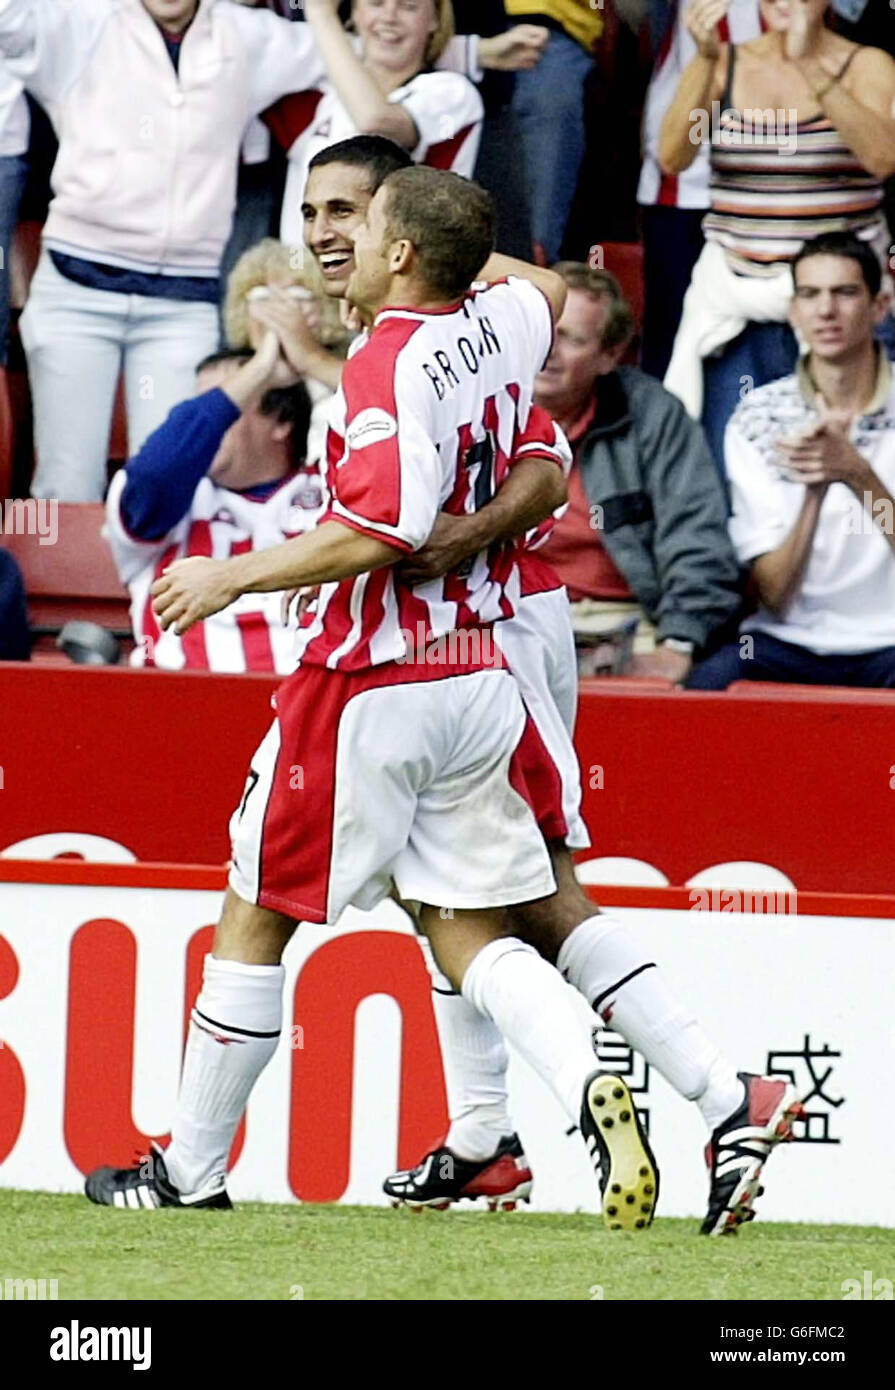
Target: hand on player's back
447,547
306,597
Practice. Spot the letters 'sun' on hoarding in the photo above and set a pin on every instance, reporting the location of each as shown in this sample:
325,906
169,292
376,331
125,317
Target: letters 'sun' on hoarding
96,981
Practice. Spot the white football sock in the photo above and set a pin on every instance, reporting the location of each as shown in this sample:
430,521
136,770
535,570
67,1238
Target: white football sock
234,1031
475,1062
525,997
601,958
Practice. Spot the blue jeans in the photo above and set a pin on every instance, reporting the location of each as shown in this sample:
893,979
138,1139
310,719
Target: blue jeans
77,340
13,169
763,352
549,106
504,179
773,660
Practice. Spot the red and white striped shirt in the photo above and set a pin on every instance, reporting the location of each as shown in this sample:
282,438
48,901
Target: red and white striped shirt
689,189
445,108
536,573
433,411
250,634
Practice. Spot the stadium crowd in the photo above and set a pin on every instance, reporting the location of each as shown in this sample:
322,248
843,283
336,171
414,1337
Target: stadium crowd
728,395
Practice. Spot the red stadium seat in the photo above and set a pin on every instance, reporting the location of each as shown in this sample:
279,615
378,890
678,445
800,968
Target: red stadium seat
118,450
625,685
625,260
814,694
23,260
72,578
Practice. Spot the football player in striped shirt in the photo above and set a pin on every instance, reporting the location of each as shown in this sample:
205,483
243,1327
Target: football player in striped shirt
419,764
354,633
486,1155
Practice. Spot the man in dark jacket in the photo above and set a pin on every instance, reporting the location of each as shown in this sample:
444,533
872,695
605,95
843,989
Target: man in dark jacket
645,533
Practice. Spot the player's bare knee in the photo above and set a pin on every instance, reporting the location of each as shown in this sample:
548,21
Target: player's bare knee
457,935
252,935
547,922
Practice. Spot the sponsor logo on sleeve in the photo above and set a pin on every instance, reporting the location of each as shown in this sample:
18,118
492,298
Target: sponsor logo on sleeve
371,426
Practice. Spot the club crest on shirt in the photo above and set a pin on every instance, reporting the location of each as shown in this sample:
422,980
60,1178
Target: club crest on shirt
309,496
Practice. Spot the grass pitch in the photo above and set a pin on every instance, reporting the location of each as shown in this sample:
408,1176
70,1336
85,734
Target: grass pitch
330,1252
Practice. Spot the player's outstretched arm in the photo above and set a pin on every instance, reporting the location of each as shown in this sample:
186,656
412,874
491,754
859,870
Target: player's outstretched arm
192,590
532,491
553,286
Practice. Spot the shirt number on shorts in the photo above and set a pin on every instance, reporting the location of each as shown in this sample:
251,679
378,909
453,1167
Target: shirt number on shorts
251,784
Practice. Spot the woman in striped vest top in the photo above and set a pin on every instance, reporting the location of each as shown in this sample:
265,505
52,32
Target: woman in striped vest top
801,128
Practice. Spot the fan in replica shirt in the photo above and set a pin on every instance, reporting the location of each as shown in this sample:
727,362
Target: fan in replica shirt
225,474
386,85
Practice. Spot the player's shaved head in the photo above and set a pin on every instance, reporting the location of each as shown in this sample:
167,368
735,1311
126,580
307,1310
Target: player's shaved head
449,220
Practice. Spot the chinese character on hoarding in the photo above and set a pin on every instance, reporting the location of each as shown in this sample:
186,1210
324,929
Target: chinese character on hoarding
617,1056
804,1068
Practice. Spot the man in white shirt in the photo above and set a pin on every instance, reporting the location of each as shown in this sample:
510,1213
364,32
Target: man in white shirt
811,465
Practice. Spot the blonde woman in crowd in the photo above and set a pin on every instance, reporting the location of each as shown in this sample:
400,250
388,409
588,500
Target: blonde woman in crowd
273,286
381,80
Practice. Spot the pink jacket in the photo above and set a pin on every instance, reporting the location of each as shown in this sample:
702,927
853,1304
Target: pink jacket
146,172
